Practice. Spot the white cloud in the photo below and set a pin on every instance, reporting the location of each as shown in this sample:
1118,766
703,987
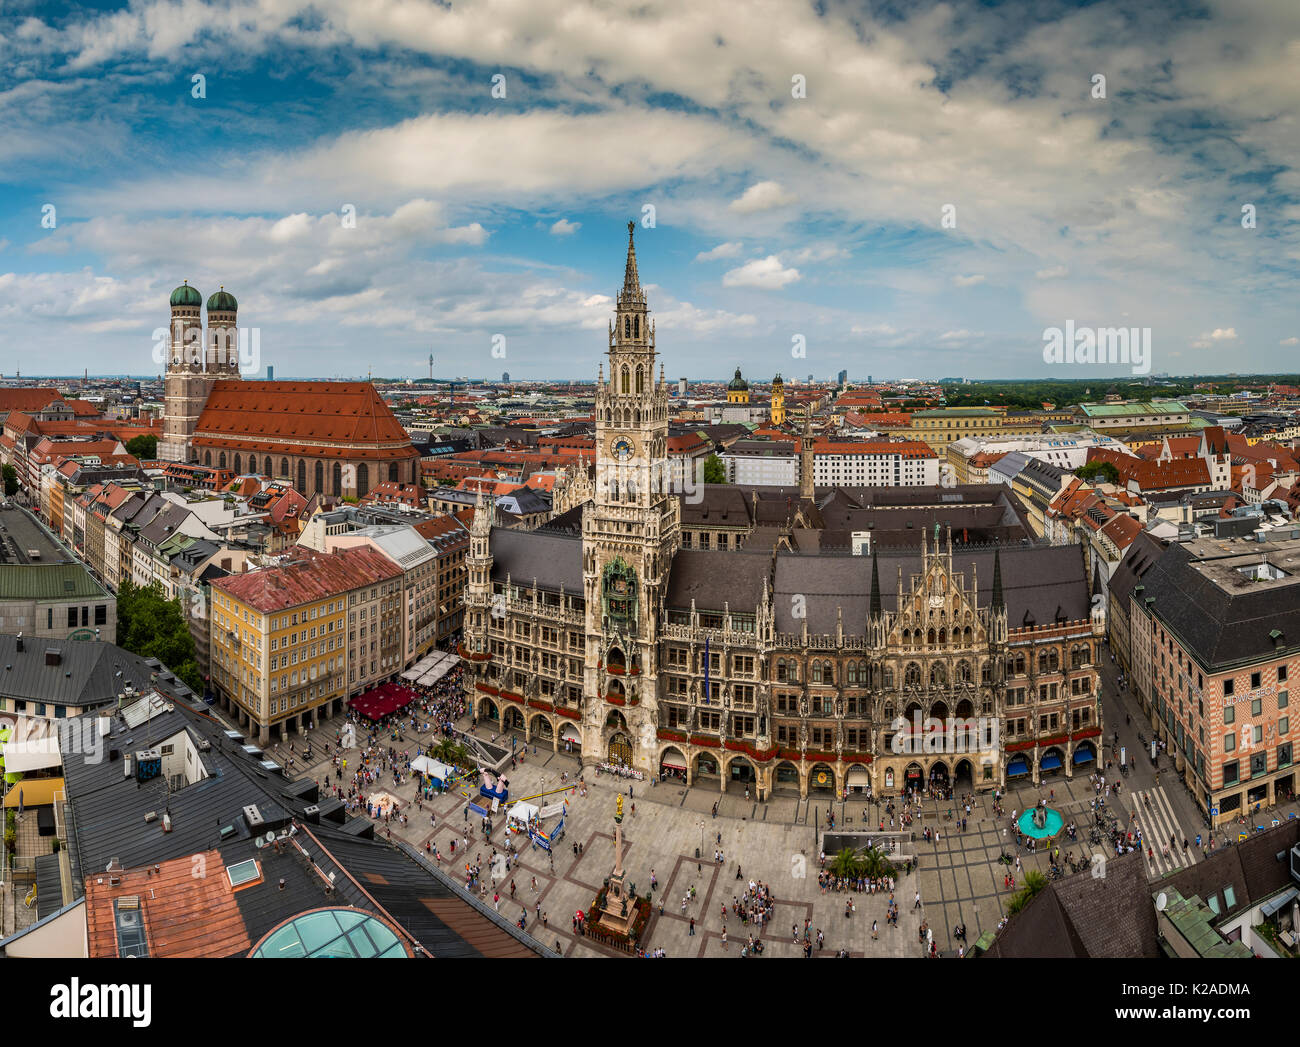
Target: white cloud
762,196
817,253
1293,340
968,281
730,249
1053,273
872,329
1219,334
766,273
565,228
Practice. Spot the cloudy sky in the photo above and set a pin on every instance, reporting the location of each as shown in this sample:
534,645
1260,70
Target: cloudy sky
906,189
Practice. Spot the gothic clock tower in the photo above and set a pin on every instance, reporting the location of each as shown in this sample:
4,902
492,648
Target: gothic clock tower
630,532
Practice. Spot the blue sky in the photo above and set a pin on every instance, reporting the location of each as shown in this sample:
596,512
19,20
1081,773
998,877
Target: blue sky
775,216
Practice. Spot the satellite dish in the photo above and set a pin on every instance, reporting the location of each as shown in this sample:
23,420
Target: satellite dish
1162,900
270,838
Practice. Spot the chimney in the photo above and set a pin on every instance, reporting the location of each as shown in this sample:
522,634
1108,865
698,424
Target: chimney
20,641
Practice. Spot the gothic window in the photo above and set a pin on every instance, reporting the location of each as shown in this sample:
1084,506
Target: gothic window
608,416
392,473
636,330
238,462
269,467
631,490
207,458
1053,661
338,478
938,676
912,675
363,480
221,461
284,466
640,379
302,476
852,669
626,380
320,477
907,637
1020,664
780,671
627,330
963,672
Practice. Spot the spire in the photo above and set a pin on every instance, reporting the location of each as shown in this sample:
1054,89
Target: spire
997,603
631,282
876,607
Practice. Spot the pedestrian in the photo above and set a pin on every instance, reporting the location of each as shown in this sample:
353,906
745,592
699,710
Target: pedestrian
918,899
692,923
875,935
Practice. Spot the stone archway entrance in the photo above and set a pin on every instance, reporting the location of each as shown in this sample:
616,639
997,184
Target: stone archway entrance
620,749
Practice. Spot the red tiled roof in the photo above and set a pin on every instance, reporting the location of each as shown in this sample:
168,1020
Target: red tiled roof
296,417
308,576
905,448
27,399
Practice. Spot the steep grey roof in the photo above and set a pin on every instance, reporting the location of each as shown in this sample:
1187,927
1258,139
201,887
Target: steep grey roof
1224,627
716,578
1040,583
1086,916
552,560
87,673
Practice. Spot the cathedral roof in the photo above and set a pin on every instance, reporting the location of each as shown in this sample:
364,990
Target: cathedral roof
738,384
298,417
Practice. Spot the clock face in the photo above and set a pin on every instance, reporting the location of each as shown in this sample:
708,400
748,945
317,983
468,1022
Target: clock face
622,449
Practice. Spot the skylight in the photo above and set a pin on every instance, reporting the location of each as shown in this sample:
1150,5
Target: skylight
243,873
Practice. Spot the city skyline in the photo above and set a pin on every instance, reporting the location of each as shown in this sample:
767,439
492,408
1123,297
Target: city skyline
900,196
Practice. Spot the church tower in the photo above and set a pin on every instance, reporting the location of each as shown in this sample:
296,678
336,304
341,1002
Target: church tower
630,532
223,336
185,389
778,401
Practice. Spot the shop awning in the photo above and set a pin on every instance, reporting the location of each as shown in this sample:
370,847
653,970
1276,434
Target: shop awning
859,776
1016,768
36,792
673,766
1051,763
1083,756
1280,902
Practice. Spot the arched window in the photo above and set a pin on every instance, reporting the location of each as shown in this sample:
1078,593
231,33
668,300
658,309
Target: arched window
207,458
320,476
640,379
780,670
269,470
636,327
302,476
816,672
392,473
338,479
626,380
284,466
221,461
627,330
912,675
852,674
238,461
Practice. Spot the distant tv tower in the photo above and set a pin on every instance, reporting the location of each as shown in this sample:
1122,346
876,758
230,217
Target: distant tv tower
431,366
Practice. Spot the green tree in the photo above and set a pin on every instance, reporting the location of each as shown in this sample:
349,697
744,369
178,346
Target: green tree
1093,472
144,446
11,480
714,471
1034,882
846,863
150,625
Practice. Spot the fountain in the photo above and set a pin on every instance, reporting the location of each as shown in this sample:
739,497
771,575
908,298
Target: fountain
1041,822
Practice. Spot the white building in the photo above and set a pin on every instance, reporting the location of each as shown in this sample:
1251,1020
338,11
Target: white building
762,463
878,463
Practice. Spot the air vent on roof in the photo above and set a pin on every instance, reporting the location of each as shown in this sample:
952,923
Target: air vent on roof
253,817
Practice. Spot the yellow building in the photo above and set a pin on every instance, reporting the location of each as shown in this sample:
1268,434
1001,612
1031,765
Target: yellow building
941,427
778,401
738,390
280,646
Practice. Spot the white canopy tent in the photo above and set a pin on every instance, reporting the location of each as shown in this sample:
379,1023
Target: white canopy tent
434,769
522,813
